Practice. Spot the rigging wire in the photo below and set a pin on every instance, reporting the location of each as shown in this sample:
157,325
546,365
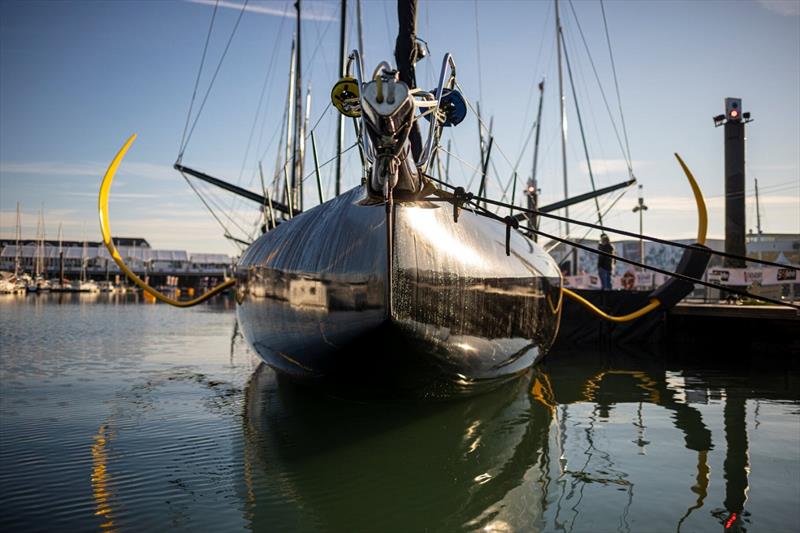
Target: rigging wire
534,69
210,210
482,123
625,155
197,81
478,53
476,198
605,212
267,78
616,82
635,235
580,125
213,78
217,202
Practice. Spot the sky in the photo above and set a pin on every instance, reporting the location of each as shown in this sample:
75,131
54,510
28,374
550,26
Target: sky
78,78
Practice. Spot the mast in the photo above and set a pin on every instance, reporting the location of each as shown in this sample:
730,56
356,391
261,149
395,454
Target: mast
37,259
303,135
758,211
533,186
60,259
299,145
290,151
447,164
405,54
339,116
360,30
563,110
84,254
580,128
18,237
44,237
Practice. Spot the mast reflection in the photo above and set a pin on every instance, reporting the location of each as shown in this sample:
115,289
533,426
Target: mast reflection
522,457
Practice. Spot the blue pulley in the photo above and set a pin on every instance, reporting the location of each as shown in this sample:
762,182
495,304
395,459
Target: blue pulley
453,105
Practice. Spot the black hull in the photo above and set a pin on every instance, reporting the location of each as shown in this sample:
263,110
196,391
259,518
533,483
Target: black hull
314,298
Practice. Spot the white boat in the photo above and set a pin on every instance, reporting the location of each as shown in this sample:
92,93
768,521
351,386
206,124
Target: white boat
106,286
9,284
39,285
83,286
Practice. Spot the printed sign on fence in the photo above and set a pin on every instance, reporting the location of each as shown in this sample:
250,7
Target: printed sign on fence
750,276
778,276
583,281
728,276
644,280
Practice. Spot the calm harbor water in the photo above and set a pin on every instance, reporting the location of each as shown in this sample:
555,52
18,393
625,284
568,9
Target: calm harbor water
119,415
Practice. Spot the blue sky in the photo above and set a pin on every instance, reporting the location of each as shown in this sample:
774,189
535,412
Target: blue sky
77,78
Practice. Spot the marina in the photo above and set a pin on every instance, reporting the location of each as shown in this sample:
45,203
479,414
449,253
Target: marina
395,277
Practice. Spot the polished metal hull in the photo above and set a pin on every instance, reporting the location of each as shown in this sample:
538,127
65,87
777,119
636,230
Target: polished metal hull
314,294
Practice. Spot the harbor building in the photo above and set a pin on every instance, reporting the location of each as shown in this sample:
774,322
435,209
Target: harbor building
73,258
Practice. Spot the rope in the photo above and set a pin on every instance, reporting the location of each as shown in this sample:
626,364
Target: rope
618,231
485,212
654,303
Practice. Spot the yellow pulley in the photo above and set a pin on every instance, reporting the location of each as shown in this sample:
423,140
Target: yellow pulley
345,97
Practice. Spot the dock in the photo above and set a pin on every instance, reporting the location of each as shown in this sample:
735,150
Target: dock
758,328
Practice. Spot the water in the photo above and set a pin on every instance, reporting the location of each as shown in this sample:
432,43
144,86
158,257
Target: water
117,415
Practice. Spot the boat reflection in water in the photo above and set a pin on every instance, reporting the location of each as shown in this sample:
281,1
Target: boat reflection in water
316,292
592,443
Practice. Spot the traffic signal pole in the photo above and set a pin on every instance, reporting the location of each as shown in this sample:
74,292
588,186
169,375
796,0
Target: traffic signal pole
734,121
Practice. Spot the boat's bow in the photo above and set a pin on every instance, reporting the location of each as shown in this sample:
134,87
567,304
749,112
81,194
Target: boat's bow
314,293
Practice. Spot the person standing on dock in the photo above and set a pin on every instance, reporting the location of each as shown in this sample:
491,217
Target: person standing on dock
604,263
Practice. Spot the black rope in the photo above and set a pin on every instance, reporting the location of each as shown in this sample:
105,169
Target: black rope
628,233
486,213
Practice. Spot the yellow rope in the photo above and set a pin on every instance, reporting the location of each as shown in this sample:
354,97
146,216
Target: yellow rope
654,303
102,206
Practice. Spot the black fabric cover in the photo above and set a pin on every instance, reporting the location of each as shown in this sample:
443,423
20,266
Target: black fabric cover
581,327
693,263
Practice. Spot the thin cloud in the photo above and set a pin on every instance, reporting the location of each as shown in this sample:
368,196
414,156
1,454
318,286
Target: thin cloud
787,8
117,195
611,166
85,169
311,12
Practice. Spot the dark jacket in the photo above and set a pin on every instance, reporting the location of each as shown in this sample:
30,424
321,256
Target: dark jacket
604,262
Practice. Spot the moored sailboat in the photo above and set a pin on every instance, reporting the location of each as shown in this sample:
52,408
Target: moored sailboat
398,277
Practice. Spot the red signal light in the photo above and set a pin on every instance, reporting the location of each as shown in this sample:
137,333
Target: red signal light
734,113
